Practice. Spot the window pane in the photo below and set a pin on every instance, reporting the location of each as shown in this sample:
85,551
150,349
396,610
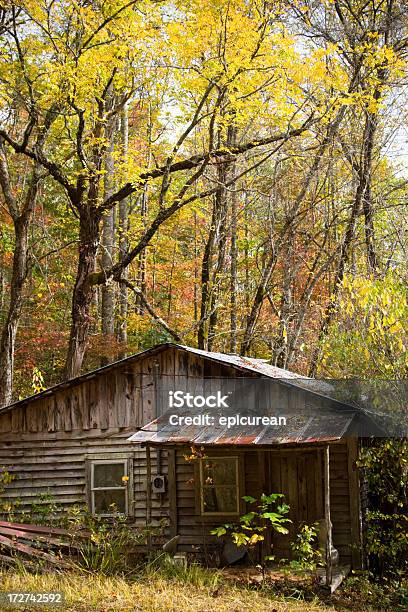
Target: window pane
220,500
219,471
108,474
104,499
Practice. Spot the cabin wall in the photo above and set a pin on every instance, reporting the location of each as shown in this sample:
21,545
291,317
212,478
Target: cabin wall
294,472
340,500
45,442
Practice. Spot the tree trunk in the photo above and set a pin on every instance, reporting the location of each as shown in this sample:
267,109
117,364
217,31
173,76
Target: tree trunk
234,258
108,243
291,217
83,291
217,236
364,177
233,274
21,217
205,283
372,260
8,337
280,349
221,204
123,237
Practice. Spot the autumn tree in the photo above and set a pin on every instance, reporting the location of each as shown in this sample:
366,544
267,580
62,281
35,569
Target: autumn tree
89,51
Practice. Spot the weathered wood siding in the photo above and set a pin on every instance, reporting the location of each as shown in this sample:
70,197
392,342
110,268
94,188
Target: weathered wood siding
46,441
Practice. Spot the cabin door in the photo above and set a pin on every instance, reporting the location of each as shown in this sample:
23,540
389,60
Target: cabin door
299,476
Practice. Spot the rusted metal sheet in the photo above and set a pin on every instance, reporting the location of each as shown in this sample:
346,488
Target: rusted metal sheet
305,429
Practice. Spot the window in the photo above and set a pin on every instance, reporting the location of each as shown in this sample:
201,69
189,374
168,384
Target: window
108,487
219,485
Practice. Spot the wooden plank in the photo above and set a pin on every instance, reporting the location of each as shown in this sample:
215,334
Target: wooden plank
16,420
293,490
310,466
76,408
42,529
147,394
355,507
93,399
84,394
319,485
33,552
329,542
181,370
121,399
31,415
59,408
103,402
36,537
6,422
51,415
67,412
195,374
172,489
302,489
44,416
111,399
136,395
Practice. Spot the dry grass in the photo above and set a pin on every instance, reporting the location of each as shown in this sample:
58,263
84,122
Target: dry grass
86,593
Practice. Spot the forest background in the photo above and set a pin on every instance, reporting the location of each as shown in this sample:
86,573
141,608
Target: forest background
228,174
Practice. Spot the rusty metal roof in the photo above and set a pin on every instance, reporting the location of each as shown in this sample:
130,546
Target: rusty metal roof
260,366
298,429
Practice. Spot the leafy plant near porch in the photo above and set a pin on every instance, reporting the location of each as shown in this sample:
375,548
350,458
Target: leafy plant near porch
307,556
269,511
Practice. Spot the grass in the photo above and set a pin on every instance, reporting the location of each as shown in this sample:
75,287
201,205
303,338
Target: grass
152,591
160,586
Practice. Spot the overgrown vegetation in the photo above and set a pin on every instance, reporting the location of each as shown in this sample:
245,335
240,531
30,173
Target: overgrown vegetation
385,467
306,554
269,512
110,545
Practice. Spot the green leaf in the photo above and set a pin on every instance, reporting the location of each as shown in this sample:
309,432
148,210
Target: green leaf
218,531
249,499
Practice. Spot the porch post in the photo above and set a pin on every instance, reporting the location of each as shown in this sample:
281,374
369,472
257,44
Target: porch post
329,539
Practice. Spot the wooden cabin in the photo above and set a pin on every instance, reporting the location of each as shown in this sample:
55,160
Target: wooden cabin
95,440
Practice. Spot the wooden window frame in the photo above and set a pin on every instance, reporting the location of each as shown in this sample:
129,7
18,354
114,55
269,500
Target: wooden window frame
238,485
127,462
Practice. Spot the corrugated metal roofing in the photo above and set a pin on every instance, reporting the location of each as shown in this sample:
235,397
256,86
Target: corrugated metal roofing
298,429
260,366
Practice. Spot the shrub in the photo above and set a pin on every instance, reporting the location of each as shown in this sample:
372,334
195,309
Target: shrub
307,556
385,467
267,512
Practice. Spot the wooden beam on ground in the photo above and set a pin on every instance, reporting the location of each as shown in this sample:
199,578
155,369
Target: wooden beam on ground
33,552
41,529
